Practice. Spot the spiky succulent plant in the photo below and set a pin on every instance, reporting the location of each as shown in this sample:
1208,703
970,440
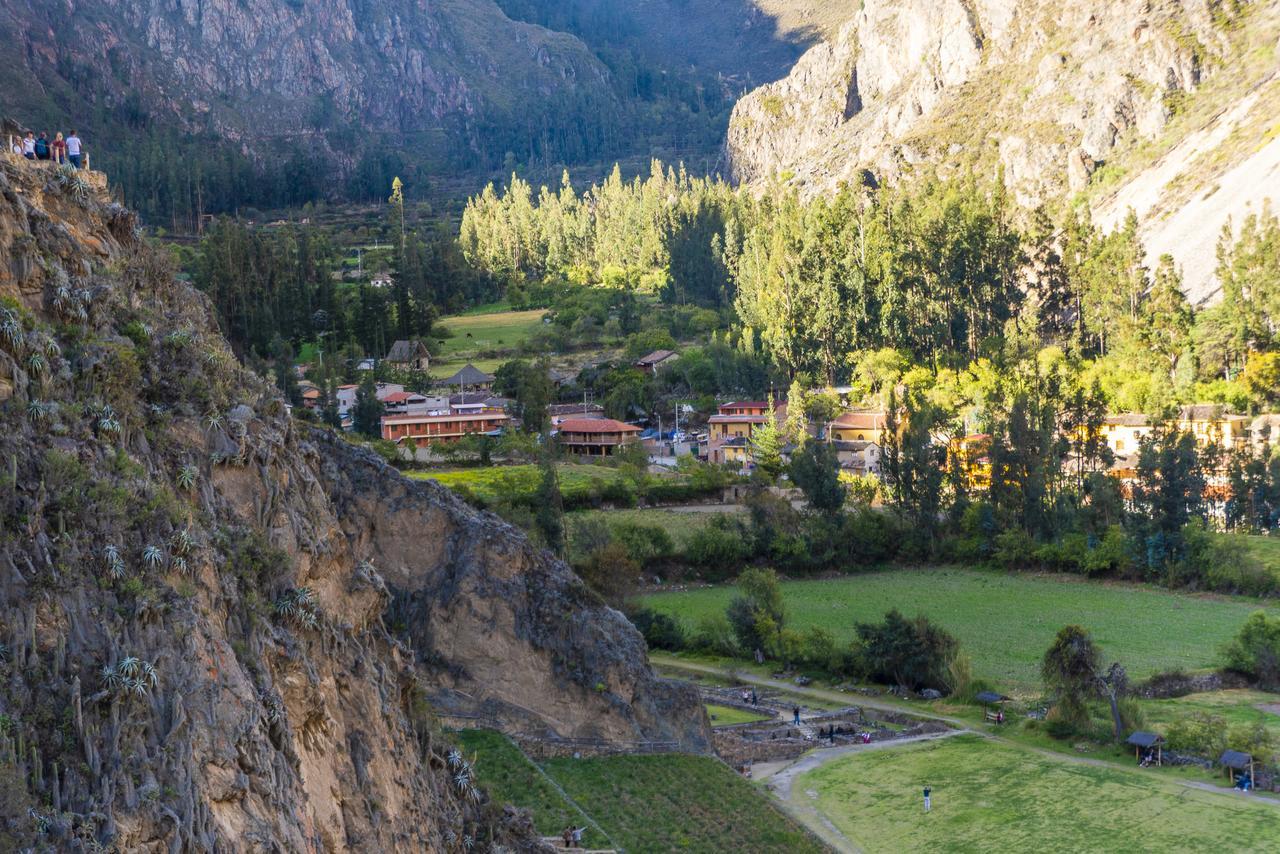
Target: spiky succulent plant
152,556
187,476
115,563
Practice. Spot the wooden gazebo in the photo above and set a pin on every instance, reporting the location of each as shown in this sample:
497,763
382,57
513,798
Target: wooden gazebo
1235,760
1147,741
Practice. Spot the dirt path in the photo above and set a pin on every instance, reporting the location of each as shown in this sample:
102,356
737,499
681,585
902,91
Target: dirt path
813,819
802,805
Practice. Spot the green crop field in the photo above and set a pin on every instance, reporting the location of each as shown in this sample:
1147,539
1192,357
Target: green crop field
989,796
728,715
674,802
509,777
665,802
1006,621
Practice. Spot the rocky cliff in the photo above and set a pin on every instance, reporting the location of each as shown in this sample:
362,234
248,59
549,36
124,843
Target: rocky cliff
223,630
1064,98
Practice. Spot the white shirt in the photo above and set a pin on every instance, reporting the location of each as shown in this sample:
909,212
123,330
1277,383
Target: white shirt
28,145
73,145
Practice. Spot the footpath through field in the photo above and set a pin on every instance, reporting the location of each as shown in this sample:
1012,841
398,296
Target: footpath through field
779,782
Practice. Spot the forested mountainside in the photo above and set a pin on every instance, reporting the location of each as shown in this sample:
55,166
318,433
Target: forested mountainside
1164,106
221,629
209,106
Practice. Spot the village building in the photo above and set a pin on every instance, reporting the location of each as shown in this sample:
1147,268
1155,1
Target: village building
560,412
859,457
425,428
1124,433
411,402
470,377
738,420
1212,424
476,402
1264,431
596,437
870,425
381,280
656,360
971,457
409,355
311,395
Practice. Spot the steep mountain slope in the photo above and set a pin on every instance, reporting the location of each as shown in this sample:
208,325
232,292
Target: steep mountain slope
451,80
223,630
1065,98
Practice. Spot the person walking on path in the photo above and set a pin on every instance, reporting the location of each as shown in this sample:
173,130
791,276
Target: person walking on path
795,715
927,792
74,147
59,149
29,146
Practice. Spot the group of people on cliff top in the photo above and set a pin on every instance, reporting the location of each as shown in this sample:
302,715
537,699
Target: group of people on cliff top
59,150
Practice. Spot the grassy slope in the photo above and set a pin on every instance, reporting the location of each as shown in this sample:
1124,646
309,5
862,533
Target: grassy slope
992,797
502,330
681,526
1005,622
510,777
492,481
728,715
1265,550
677,803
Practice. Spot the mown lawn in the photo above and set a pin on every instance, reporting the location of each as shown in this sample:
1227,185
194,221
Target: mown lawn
1265,550
1006,621
728,715
511,778
1236,707
993,797
678,803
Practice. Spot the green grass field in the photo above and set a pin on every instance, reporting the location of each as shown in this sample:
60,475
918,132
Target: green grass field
491,482
674,802
728,715
476,333
1265,550
510,777
679,525
1236,707
1004,621
993,797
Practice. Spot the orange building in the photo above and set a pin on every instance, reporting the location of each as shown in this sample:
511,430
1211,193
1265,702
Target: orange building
738,420
596,437
440,428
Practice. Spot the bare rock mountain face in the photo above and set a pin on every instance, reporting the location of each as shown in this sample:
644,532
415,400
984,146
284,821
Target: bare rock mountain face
1064,98
223,630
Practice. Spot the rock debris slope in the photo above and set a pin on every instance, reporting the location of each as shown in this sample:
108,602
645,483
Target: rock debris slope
223,630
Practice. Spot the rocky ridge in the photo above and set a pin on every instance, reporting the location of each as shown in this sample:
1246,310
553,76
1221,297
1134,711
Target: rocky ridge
1052,94
221,629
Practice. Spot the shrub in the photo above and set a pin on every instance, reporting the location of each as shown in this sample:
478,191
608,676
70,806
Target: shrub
660,631
645,544
714,635
610,572
1255,650
870,537
1200,733
717,551
914,653
1014,549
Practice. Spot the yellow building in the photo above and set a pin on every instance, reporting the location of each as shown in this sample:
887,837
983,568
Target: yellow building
859,426
738,420
1212,424
972,455
1124,433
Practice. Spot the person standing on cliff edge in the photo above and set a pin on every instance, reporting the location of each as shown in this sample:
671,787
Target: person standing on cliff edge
74,147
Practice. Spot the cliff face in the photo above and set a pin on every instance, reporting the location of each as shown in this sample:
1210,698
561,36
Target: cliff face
221,630
277,73
1049,92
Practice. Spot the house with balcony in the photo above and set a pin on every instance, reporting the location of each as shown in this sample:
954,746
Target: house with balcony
739,420
596,437
428,429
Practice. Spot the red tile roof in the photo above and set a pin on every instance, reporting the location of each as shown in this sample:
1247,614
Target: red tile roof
861,420
596,425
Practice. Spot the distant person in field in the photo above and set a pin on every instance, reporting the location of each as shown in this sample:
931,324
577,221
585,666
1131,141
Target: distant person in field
29,146
59,148
42,147
795,715
74,147
927,792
